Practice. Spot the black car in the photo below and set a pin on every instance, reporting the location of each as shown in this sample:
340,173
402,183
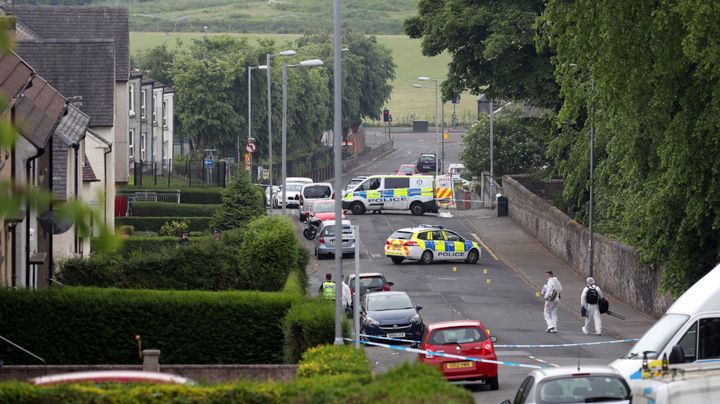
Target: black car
391,315
369,282
426,163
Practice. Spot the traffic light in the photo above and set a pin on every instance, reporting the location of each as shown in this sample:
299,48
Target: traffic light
386,115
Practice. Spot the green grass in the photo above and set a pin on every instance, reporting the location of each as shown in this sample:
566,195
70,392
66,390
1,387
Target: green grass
406,101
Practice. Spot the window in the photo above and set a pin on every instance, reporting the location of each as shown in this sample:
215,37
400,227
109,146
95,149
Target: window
142,147
689,344
709,341
437,235
423,235
164,114
524,390
143,99
131,99
154,107
131,140
452,236
393,183
370,184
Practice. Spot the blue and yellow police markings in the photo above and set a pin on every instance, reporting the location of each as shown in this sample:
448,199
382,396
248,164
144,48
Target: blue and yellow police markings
389,195
448,248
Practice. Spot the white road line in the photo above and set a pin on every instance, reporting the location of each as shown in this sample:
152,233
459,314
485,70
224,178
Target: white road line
445,279
485,246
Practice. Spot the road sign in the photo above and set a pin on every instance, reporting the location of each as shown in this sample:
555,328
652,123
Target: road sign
208,163
248,160
250,147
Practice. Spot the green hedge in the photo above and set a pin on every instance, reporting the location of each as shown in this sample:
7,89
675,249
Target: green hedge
148,244
308,324
98,326
269,250
154,223
166,209
199,195
326,360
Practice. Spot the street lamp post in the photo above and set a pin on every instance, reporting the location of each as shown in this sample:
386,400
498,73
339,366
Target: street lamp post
592,177
304,63
437,126
268,58
249,116
337,156
492,113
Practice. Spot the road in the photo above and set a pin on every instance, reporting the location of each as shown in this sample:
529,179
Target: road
489,291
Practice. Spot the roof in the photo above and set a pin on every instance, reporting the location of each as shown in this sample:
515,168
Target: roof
704,295
72,127
386,293
77,68
571,370
328,223
420,228
88,174
81,22
38,111
15,75
455,323
367,274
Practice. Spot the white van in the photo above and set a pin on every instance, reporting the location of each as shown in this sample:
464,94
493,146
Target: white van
680,384
689,332
298,180
392,192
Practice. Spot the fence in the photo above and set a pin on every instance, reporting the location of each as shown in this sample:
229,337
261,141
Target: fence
192,173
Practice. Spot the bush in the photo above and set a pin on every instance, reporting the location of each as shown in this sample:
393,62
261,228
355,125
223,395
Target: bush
166,209
97,326
241,202
415,383
173,228
325,360
269,240
136,245
307,324
155,223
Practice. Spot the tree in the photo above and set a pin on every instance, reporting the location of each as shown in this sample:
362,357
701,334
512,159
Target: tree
241,202
492,47
156,62
519,143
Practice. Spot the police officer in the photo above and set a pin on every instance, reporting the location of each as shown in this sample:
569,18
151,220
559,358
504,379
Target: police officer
589,300
327,288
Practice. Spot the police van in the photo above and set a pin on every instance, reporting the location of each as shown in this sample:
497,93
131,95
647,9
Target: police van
392,192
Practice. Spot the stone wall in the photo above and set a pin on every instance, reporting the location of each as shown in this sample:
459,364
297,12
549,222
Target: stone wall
616,266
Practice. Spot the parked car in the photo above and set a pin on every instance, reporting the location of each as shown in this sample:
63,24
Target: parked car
406,169
427,243
292,196
299,180
322,210
325,241
390,314
369,282
314,191
570,384
463,338
455,169
111,376
426,163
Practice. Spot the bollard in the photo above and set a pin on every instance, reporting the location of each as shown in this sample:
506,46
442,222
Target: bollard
151,360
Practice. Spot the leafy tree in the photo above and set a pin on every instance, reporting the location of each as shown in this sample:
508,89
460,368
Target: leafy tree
156,62
492,47
241,202
519,143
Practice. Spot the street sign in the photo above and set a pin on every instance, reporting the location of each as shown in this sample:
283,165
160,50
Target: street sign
250,147
266,174
248,160
208,163
456,100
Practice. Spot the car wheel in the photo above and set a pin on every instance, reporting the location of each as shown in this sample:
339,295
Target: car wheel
426,257
417,209
397,260
493,383
357,208
472,257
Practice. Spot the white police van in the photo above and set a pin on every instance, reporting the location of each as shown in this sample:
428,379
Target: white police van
392,192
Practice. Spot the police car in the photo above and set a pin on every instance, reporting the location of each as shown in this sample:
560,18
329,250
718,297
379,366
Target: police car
427,243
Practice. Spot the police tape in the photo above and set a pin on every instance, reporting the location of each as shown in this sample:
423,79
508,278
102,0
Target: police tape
412,341
618,341
445,355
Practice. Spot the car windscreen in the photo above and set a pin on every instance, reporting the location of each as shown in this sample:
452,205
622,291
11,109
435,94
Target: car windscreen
371,281
457,335
387,301
294,187
401,235
582,389
427,159
323,207
657,337
330,231
317,191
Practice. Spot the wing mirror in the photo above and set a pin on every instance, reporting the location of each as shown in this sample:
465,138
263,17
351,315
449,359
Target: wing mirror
390,283
493,339
418,308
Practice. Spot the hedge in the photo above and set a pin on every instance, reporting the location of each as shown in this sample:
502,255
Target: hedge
148,244
154,223
98,326
199,195
166,209
269,242
308,324
325,360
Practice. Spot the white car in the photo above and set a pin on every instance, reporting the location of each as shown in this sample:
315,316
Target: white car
292,196
455,169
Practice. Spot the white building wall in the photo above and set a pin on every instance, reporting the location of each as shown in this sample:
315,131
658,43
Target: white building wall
64,243
168,128
121,171
24,150
109,189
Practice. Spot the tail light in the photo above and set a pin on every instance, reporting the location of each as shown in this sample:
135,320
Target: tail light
388,242
321,240
352,291
386,287
301,199
411,243
332,196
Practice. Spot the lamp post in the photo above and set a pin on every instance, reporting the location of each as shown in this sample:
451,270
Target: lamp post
337,156
249,116
592,177
304,63
437,126
268,58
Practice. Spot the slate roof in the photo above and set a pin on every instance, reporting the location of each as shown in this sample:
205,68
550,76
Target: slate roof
14,75
38,111
81,22
72,126
88,174
77,68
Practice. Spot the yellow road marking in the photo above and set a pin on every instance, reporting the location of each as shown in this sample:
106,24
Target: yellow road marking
485,246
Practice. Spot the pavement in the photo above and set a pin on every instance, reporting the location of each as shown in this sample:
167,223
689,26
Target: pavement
506,241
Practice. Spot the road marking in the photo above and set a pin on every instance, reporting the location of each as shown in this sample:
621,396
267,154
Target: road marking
485,246
445,279
376,255
543,361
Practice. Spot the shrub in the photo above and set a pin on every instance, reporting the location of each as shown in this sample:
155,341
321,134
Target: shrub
173,228
415,383
97,326
167,209
136,245
293,286
155,223
269,240
241,202
327,360
307,324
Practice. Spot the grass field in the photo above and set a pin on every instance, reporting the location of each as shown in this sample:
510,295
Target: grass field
406,101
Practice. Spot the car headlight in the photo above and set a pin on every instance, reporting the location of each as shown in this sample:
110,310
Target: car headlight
415,319
371,321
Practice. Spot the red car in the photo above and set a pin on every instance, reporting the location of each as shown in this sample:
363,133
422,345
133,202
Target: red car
406,169
323,209
463,338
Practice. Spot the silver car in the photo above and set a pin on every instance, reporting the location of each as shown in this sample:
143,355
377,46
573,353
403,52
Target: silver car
572,384
325,239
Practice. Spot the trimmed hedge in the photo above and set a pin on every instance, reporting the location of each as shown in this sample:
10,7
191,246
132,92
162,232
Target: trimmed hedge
269,251
308,324
154,223
98,326
149,244
326,360
167,209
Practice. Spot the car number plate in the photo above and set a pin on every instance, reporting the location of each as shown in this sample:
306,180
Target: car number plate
459,365
396,335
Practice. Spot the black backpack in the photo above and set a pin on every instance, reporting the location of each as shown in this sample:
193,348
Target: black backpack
603,306
592,295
